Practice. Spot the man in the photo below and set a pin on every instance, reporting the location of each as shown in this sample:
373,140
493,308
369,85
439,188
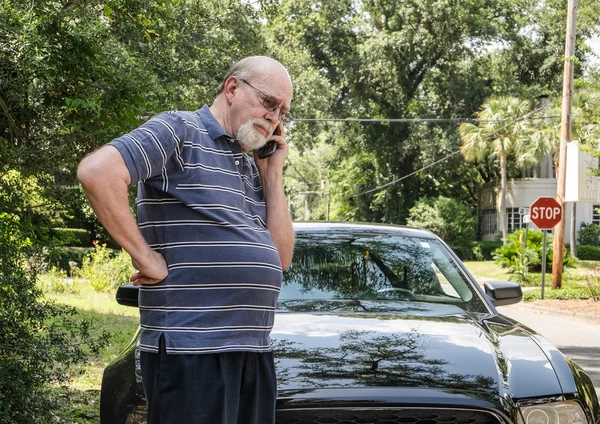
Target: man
212,238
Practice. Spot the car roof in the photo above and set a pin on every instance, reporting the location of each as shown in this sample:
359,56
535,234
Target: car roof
360,227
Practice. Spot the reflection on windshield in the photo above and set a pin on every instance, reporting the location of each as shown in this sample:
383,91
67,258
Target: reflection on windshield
376,268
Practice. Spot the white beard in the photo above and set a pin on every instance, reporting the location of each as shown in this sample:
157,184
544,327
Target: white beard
249,137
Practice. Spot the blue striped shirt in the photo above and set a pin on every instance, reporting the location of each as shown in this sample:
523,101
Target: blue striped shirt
201,204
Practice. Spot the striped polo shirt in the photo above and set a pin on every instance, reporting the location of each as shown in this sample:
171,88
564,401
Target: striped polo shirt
201,205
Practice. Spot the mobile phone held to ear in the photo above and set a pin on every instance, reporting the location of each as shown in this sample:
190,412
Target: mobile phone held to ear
270,146
267,150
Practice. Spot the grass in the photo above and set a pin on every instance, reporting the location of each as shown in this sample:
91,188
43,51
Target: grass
488,270
82,400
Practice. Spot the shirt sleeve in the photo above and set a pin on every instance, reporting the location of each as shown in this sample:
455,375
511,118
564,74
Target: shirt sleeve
149,148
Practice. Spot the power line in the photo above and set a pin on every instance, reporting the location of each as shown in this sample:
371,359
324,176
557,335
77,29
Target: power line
416,120
509,122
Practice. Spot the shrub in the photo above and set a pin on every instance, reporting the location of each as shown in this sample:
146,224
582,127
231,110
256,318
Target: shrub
589,234
563,293
63,257
450,219
39,340
589,253
593,284
77,237
482,250
106,270
512,256
56,280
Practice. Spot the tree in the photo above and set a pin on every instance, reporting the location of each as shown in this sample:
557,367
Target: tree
500,133
74,75
409,59
450,219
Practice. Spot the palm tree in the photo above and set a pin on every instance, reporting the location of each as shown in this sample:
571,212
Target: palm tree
501,131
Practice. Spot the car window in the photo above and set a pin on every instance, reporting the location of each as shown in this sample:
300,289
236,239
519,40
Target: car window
376,267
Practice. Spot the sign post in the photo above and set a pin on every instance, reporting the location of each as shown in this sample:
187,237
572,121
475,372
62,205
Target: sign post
545,213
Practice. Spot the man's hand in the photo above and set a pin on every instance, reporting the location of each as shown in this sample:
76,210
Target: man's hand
152,271
278,159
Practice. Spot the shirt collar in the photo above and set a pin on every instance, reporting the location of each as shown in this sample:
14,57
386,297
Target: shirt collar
215,130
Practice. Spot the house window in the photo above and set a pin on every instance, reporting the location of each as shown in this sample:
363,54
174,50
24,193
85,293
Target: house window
488,222
596,214
515,219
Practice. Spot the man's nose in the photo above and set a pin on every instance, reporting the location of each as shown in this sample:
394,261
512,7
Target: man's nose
273,115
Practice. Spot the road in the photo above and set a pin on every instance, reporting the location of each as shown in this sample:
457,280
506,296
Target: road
576,337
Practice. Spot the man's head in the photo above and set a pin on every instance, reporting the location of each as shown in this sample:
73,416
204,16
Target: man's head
252,100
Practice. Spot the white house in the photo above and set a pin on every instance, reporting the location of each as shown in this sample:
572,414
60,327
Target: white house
521,193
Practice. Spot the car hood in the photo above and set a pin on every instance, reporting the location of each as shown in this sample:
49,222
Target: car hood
408,344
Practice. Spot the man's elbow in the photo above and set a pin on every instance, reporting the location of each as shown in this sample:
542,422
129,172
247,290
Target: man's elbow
85,171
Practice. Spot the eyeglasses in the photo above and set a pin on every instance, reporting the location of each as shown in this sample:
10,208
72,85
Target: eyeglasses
270,104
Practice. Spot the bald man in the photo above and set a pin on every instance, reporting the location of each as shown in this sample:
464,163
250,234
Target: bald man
212,236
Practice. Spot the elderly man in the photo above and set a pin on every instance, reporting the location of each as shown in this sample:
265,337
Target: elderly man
212,237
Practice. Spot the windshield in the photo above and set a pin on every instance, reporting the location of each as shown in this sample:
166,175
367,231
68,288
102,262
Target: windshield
376,267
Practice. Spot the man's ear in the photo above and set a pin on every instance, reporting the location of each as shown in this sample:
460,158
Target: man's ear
230,87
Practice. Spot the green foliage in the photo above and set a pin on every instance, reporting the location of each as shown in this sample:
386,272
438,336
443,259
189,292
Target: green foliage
106,270
39,340
76,237
68,258
591,253
515,259
450,219
56,281
592,283
588,234
563,293
482,250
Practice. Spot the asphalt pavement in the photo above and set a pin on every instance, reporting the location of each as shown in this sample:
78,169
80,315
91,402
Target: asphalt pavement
577,336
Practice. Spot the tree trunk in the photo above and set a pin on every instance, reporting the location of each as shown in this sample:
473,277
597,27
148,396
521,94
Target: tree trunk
573,238
306,208
502,201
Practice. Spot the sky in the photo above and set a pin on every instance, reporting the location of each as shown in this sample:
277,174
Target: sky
594,43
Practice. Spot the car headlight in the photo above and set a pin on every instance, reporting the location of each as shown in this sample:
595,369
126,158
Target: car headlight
553,413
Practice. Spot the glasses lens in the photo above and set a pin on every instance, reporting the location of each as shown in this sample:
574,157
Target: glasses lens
286,118
270,104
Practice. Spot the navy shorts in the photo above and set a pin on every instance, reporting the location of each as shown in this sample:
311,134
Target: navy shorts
217,388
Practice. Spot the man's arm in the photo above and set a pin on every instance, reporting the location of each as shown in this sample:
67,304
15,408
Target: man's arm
279,221
105,178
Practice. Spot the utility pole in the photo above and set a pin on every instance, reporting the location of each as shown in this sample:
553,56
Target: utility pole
558,245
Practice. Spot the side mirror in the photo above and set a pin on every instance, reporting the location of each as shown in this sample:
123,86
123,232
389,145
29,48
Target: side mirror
128,295
503,292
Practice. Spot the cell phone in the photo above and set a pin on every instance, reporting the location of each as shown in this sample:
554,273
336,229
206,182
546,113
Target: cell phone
270,146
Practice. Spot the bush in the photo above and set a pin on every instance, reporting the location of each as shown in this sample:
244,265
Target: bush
63,258
563,293
589,253
450,219
588,234
76,237
39,340
593,284
482,250
106,270
513,257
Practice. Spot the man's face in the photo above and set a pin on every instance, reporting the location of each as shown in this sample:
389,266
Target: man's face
253,134
259,108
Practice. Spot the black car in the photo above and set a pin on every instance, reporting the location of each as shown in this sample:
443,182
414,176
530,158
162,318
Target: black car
384,324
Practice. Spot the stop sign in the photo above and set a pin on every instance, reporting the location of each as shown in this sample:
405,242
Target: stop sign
545,213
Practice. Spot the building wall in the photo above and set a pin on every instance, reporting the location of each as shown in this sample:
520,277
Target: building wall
522,193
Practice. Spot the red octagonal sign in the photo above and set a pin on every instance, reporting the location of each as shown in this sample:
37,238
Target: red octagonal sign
545,213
